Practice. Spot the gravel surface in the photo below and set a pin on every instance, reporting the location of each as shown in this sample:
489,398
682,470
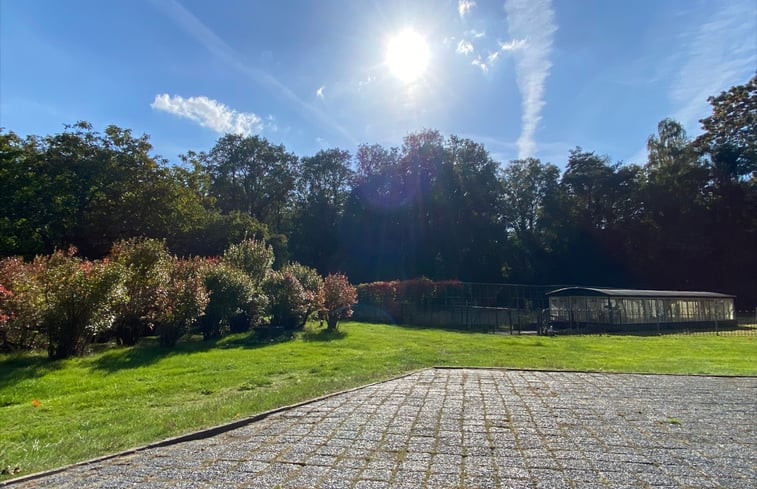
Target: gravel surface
470,428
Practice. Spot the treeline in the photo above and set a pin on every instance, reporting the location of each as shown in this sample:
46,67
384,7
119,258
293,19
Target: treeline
435,207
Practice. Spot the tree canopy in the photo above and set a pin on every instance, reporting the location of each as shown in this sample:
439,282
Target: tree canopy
434,206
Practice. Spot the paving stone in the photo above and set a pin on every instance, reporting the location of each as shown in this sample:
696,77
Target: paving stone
409,477
371,484
376,474
444,480
470,428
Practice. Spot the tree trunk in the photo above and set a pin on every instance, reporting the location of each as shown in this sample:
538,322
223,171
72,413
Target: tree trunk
331,322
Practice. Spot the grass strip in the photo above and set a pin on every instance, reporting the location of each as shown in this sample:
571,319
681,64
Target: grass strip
56,413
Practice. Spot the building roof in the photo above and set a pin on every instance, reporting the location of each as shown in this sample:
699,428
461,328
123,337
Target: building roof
661,294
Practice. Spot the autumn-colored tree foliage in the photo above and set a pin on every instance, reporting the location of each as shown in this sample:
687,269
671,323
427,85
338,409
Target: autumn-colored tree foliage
338,297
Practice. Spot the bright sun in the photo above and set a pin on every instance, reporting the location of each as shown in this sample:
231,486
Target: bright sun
407,55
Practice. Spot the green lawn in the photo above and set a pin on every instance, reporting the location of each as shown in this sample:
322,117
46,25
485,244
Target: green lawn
124,397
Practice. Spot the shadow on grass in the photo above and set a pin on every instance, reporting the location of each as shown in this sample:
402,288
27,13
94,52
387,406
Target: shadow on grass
455,329
323,335
148,351
16,368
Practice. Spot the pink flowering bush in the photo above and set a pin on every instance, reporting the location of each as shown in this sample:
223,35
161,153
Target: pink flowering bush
5,315
184,301
312,284
77,300
20,305
337,297
146,269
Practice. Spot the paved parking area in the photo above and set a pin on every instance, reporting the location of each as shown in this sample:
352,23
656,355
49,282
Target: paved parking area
471,428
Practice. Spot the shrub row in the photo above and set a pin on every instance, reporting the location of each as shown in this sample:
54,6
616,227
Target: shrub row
62,302
384,300
419,291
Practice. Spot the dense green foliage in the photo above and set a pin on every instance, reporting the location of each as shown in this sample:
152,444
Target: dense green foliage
289,302
436,207
101,403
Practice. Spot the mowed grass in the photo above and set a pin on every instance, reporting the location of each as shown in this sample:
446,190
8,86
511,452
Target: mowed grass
55,413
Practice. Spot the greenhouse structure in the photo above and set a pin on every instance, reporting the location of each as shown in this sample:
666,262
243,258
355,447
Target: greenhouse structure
576,307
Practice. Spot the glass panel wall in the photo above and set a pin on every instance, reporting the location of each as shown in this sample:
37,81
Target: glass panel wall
639,310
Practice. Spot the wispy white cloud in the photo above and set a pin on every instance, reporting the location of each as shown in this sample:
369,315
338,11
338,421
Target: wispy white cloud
720,53
534,21
209,113
484,52
219,48
480,63
512,45
465,6
270,124
322,142
464,47
319,92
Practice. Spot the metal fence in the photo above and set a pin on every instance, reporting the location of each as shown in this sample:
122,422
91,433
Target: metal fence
522,309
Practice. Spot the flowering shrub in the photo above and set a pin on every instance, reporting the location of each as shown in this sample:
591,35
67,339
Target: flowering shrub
446,289
4,294
383,294
338,297
253,257
289,302
230,291
415,291
312,284
390,296
377,292
20,304
146,269
185,300
78,298
5,315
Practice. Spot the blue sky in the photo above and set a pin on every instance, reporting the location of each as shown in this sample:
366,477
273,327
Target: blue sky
523,77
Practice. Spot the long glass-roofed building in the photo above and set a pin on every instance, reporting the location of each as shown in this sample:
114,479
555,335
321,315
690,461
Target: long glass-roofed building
584,306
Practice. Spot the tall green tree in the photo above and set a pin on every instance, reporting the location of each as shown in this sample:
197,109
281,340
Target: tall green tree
322,189
529,188
468,224
251,175
673,209
429,208
527,184
728,146
730,133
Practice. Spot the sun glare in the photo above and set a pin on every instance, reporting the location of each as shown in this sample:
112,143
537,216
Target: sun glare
407,55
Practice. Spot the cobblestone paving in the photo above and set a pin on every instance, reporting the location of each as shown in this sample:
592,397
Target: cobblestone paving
475,429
